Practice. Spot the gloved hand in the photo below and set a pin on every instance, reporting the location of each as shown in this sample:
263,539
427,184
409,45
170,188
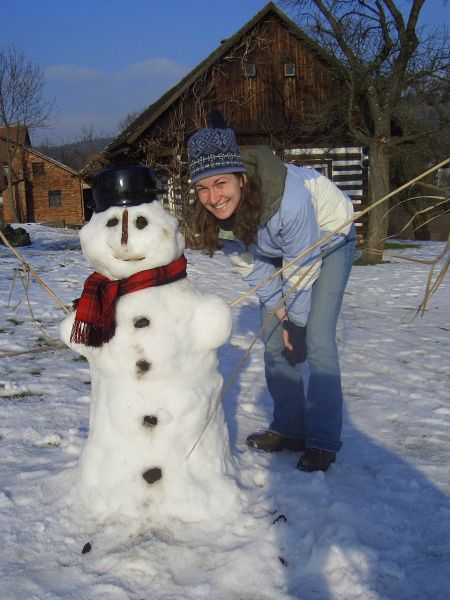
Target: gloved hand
297,339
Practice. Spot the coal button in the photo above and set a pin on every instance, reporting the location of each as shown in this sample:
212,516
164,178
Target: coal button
143,366
152,475
150,421
142,322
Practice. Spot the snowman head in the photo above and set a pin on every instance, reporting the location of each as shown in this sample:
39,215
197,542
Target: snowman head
130,231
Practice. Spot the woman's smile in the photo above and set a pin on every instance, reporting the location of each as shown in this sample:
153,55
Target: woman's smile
220,194
221,204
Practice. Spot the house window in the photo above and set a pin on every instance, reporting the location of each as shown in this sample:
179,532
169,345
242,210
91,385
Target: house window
322,168
322,165
250,70
289,69
37,168
54,198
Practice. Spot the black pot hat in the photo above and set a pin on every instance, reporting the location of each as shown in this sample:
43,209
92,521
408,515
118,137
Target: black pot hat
124,186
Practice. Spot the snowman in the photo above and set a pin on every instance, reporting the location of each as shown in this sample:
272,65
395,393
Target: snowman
151,341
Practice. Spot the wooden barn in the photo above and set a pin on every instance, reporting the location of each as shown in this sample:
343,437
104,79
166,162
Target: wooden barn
44,190
274,85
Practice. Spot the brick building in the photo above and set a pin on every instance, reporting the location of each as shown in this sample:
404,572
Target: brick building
44,190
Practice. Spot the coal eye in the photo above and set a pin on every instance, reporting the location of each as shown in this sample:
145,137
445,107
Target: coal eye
141,222
112,222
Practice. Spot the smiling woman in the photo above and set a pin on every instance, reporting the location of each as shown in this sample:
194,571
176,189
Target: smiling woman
231,199
220,194
275,213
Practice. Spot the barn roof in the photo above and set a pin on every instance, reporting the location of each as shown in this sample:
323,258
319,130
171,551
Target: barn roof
151,114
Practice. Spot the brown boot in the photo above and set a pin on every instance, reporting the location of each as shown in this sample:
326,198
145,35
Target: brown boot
269,441
315,459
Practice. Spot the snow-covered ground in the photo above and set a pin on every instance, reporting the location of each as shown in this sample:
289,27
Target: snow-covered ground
375,526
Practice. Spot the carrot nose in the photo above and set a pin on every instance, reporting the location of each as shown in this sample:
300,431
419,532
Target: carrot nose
124,238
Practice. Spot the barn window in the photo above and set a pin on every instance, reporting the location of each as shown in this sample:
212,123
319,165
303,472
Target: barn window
250,70
37,168
54,198
289,69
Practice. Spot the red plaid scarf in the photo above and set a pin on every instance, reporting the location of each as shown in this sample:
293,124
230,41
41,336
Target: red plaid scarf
95,323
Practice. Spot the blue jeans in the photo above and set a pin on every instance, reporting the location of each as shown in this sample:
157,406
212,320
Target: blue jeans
315,416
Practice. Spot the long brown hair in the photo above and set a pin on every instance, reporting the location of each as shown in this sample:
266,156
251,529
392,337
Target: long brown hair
205,226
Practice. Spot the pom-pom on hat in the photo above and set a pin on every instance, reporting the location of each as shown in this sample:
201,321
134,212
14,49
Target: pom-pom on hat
213,150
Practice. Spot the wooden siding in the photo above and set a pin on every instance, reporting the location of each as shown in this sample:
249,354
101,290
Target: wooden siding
347,167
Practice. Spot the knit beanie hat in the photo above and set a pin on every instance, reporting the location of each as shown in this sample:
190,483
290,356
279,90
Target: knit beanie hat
213,150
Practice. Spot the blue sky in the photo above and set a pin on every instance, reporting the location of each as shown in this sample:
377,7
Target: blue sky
106,58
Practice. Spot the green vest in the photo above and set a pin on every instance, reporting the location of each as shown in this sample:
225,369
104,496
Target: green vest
271,172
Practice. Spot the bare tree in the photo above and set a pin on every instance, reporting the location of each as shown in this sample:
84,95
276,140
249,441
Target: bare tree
21,104
384,56
78,150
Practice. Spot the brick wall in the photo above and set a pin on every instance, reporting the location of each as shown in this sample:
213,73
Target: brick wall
33,194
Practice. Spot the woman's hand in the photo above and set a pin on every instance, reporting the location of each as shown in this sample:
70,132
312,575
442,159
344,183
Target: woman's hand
282,316
286,342
294,338
285,334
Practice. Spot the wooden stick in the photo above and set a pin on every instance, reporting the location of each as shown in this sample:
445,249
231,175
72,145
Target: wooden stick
430,289
34,350
35,275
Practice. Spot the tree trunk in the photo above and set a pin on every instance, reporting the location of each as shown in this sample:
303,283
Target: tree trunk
378,216
11,196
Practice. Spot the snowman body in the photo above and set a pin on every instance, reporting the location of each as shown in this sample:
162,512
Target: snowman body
155,383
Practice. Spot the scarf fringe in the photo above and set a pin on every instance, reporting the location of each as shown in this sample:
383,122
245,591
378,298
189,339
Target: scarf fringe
93,335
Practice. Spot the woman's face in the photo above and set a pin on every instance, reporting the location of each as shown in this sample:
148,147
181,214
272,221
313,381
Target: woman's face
220,194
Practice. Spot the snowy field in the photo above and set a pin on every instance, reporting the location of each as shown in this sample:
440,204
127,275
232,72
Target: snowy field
375,526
